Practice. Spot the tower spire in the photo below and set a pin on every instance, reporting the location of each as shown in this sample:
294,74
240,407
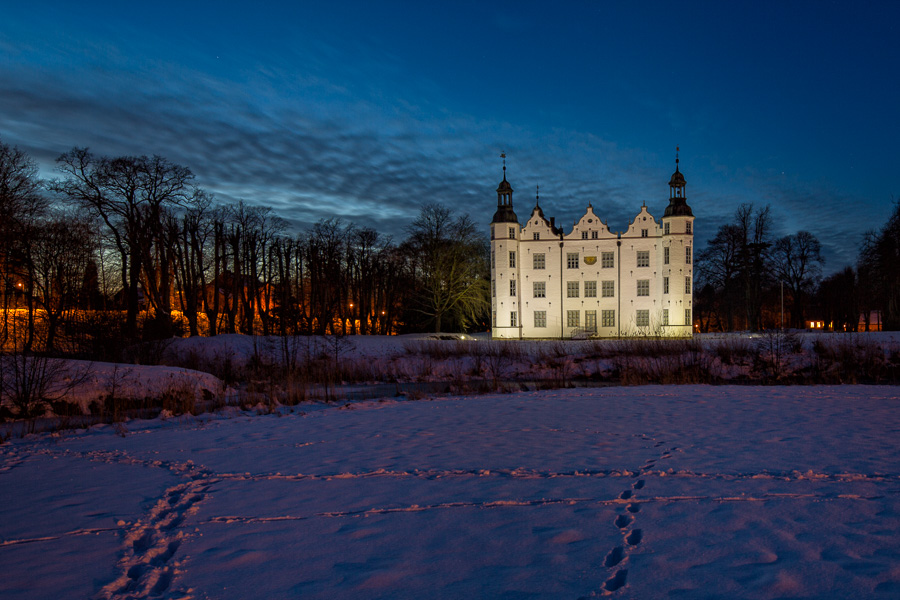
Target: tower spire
537,195
678,206
504,212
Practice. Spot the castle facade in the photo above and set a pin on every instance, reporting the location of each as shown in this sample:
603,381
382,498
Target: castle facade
592,282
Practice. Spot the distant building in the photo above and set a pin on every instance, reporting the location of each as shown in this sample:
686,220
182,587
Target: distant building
592,282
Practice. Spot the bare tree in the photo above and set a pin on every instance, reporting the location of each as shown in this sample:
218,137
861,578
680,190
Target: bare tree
324,263
451,271
718,268
131,195
21,208
60,253
878,262
797,261
189,234
755,226
734,270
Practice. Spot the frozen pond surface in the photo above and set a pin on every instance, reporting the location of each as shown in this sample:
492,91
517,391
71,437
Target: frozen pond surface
635,492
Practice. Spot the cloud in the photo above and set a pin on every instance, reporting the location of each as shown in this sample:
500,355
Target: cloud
353,139
306,157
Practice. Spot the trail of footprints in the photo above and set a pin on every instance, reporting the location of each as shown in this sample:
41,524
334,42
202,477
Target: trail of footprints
625,522
146,569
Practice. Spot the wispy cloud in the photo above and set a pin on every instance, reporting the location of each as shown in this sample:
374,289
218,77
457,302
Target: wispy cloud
327,139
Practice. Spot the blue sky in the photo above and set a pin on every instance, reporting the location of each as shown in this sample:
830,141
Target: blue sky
366,110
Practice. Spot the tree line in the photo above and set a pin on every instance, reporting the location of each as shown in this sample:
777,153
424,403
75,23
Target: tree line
131,248
749,280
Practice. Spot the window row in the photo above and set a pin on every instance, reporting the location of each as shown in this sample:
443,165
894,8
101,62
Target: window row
607,318
607,288
573,288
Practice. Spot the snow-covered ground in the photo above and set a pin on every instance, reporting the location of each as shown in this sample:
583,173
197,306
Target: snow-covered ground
637,492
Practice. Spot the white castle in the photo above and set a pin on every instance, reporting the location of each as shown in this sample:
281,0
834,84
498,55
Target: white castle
592,282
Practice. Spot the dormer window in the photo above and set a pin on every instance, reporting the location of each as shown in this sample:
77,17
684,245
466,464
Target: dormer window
687,227
512,233
536,235
643,233
584,235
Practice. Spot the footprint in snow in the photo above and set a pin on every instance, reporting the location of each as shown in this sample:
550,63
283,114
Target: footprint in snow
614,557
616,581
634,538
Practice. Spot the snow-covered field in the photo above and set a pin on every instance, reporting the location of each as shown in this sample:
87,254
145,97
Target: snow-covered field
636,492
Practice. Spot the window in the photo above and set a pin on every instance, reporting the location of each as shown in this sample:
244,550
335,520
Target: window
609,289
590,289
594,235
665,285
608,318
590,320
494,317
512,287
536,235
642,318
607,260
687,227
492,232
512,233
666,228
540,318
513,319
512,260
666,255
687,316
687,285
643,258
572,260
540,289
665,316
493,289
643,233
571,289
493,262
584,235
643,287
572,318
539,261
687,255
